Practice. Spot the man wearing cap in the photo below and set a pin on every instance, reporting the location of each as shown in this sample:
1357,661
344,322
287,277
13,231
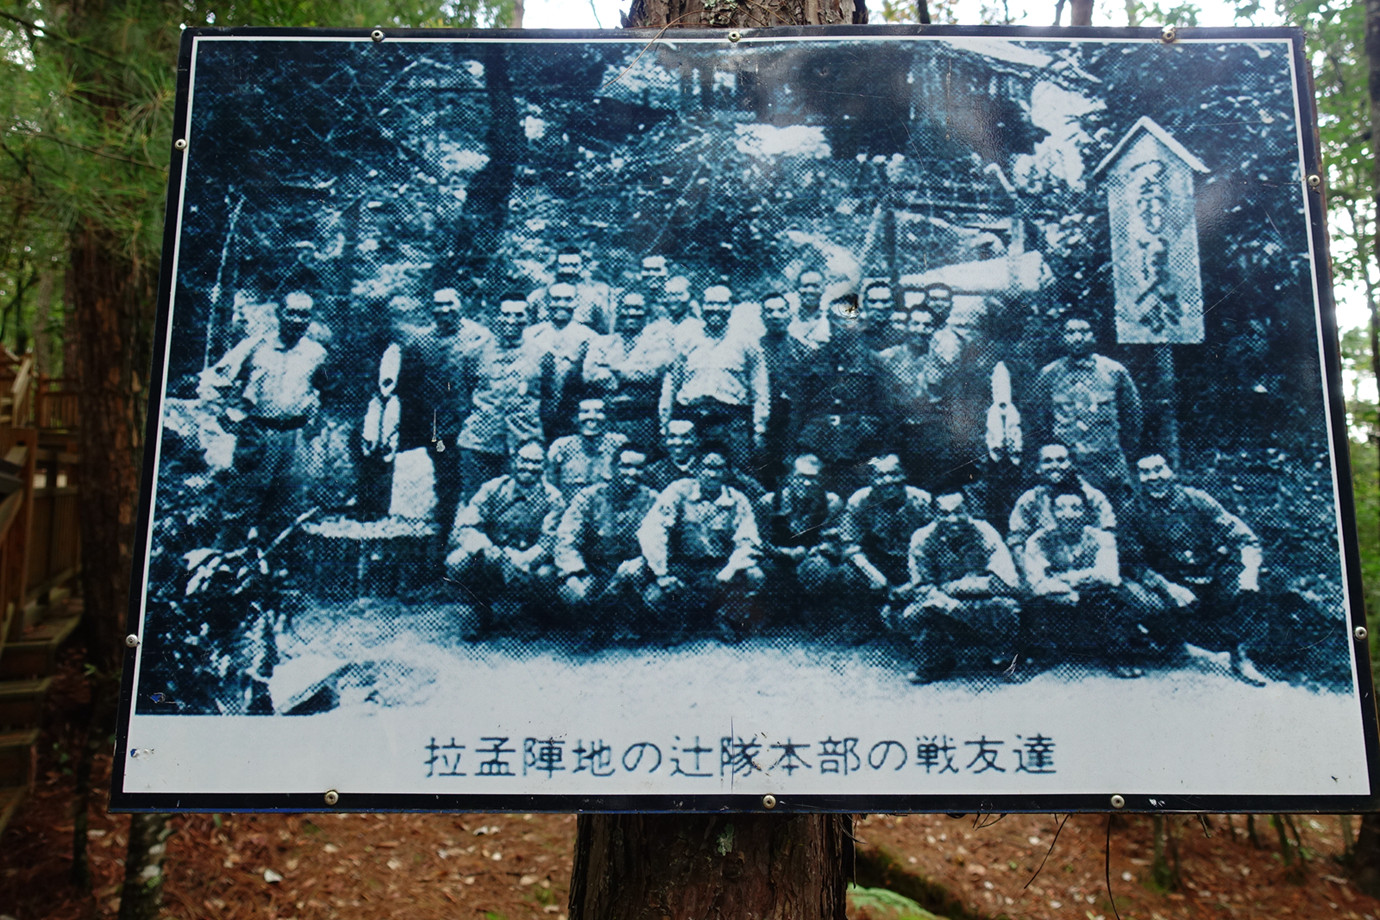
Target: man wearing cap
586,457
720,383
500,545
701,544
962,581
627,367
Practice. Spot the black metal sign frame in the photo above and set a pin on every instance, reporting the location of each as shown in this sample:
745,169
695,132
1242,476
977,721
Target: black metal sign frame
858,419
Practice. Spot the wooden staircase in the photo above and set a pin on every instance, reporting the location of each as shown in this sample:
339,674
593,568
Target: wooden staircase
28,661
39,557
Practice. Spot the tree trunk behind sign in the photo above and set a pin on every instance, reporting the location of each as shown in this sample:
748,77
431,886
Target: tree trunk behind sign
656,14
774,867
768,866
1365,867
111,295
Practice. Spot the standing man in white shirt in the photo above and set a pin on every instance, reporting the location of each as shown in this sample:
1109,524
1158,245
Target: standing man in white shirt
720,383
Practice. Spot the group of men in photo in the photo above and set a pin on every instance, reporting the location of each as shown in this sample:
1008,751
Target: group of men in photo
672,461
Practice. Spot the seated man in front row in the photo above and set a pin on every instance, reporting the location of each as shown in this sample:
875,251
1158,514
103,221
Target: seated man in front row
1198,566
962,614
800,533
876,529
1035,508
500,546
683,455
586,457
1077,612
700,541
597,555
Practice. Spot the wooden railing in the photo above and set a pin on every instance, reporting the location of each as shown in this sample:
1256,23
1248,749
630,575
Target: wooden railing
39,553
18,451
39,539
55,404
54,548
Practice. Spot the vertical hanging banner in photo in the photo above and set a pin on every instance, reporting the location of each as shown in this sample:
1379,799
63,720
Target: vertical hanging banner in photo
624,421
1150,196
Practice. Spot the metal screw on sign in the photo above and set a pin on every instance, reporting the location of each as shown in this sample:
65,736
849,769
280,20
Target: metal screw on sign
332,797
376,35
180,143
734,35
768,801
1360,632
131,641
1118,801
1169,35
1314,181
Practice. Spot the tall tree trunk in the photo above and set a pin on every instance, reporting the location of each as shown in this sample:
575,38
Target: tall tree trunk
111,302
1374,328
486,208
141,897
111,292
1080,12
650,867
770,866
656,14
1366,862
111,309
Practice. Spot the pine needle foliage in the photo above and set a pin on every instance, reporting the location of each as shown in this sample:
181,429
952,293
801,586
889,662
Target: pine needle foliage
87,95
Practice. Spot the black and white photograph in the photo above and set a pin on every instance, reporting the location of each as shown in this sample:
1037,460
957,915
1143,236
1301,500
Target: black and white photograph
884,418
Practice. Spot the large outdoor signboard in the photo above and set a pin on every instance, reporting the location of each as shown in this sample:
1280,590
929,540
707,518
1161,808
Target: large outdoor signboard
858,419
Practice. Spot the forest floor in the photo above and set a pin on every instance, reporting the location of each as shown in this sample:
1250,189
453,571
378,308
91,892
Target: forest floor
511,866
514,866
